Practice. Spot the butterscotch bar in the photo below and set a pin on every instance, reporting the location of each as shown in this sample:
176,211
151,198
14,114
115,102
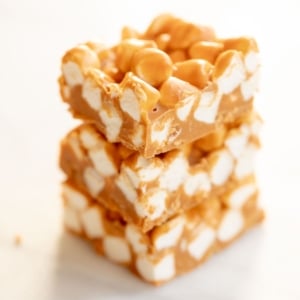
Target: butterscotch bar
156,91
146,192
177,246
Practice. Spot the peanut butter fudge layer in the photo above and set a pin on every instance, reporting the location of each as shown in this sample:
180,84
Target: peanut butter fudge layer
175,247
146,192
166,87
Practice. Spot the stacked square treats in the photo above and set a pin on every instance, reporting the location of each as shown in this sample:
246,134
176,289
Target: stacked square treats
160,174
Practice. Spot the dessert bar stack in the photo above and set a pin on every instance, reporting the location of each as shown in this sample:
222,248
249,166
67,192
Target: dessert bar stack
160,174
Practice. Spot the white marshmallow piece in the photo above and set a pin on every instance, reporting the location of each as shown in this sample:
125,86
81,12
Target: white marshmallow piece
75,199
102,162
233,75
170,235
236,143
159,134
156,271
231,225
175,174
71,219
250,86
251,61
126,187
240,195
129,103
222,168
93,180
245,164
154,205
208,107
135,239
92,223
112,122
138,136
72,73
184,110
75,145
201,244
197,182
92,95
90,139
116,249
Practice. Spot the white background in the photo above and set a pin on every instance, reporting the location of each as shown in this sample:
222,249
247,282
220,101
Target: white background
49,264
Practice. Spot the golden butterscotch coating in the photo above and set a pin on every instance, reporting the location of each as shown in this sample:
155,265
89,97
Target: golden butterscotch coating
168,86
195,71
152,65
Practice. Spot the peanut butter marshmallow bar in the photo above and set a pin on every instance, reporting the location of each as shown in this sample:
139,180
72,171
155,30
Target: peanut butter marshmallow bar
156,91
175,247
146,192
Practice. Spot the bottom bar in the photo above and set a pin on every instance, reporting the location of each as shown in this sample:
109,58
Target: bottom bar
179,245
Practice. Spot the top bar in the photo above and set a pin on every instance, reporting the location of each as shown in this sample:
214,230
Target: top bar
169,86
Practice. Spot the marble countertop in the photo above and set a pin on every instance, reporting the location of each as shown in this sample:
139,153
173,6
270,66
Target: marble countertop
50,264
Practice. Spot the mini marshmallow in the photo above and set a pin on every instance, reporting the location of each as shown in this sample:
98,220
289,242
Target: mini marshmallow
167,235
238,197
92,95
112,122
245,163
102,162
93,180
222,168
138,136
250,86
153,271
201,244
135,238
251,61
208,107
72,73
160,132
126,187
75,199
233,74
175,174
153,206
184,110
74,143
197,182
71,219
90,138
129,103
236,143
116,249
92,223
231,225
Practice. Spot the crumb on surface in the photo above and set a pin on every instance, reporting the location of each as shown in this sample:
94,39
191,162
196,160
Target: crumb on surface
18,240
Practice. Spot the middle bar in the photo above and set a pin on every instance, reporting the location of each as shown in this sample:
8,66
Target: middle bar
147,192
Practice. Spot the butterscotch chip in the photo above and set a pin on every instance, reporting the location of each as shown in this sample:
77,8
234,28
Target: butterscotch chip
212,141
152,65
242,44
195,71
161,24
173,90
208,50
162,41
126,50
129,33
184,34
178,55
